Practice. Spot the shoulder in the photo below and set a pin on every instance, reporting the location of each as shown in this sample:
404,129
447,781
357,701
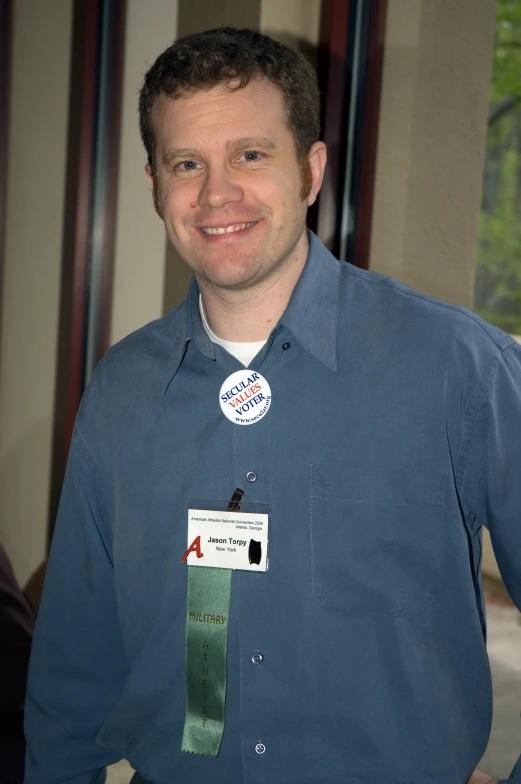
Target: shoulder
145,349
446,343
386,299
131,373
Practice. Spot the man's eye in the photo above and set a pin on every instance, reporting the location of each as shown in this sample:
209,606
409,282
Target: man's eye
251,156
187,166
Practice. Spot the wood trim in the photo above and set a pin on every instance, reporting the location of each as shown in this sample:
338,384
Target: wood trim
94,136
372,98
331,62
78,187
77,209
113,144
6,30
334,81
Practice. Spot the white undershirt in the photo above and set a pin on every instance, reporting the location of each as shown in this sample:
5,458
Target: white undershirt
244,352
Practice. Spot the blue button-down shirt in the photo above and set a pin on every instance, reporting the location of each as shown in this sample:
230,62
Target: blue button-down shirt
393,435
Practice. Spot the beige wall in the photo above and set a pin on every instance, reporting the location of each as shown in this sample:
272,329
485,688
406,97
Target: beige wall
438,58
431,144
36,178
291,21
139,271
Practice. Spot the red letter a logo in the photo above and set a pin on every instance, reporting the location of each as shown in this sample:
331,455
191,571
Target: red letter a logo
195,547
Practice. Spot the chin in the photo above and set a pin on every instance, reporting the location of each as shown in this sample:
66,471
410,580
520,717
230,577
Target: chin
231,281
231,272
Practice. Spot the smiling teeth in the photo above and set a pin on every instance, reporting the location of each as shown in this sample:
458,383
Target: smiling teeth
229,229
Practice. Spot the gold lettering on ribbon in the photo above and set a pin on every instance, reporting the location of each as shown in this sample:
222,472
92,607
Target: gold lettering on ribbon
205,682
198,617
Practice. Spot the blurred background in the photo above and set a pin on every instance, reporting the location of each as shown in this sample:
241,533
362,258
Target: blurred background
422,116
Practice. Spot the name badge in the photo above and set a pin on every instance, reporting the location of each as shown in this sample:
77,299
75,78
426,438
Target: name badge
227,540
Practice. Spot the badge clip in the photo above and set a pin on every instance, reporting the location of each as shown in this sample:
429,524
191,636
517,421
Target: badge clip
235,501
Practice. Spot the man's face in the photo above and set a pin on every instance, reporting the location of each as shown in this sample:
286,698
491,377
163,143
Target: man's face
229,186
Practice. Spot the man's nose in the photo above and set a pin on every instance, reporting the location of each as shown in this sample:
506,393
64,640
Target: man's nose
219,187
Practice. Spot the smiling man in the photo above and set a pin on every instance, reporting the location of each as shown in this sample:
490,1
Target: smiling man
266,561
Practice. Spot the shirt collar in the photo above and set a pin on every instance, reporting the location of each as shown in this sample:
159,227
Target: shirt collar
312,311
311,314
190,327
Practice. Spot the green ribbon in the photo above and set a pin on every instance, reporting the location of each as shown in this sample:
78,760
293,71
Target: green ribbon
207,610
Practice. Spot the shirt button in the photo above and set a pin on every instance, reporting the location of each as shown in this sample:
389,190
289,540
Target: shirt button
251,476
257,658
285,346
260,748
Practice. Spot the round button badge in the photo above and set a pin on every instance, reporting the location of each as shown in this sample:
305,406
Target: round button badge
245,397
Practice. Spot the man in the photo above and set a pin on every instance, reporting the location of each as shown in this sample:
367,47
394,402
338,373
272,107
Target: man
359,430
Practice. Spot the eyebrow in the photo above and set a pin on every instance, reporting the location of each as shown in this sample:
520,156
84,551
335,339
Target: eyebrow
251,141
246,143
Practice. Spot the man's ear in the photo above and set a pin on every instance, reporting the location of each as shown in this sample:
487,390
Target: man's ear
152,178
317,163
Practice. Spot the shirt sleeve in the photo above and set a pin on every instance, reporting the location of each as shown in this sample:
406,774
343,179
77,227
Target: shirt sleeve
490,469
77,665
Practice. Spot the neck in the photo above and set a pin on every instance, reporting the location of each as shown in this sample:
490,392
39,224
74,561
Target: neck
249,314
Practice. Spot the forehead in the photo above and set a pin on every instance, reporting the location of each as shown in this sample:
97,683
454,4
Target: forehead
216,115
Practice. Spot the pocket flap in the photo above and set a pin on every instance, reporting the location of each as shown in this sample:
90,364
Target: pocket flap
377,485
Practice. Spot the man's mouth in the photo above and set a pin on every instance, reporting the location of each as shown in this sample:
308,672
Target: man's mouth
227,229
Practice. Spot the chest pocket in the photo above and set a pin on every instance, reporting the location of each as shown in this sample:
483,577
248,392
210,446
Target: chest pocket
376,538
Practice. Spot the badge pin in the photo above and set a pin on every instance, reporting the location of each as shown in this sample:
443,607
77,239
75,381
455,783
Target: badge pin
245,397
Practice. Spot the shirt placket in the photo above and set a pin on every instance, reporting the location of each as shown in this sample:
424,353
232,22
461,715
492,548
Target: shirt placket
251,598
